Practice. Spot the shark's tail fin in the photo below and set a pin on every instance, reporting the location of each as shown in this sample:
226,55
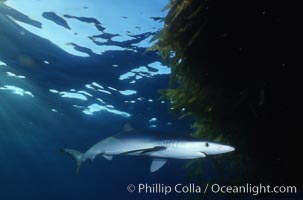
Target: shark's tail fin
77,156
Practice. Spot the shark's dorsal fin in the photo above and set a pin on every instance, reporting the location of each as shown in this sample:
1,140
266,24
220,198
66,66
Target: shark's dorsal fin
108,157
127,127
156,164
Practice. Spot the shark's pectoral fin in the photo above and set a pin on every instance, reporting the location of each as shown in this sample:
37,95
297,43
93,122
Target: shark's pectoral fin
156,164
108,157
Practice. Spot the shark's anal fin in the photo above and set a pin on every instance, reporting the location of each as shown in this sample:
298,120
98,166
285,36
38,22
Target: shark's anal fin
108,157
156,164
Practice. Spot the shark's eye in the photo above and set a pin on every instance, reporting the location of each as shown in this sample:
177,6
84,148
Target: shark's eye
206,144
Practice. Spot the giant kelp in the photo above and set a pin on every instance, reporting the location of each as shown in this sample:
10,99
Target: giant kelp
230,75
176,42
194,90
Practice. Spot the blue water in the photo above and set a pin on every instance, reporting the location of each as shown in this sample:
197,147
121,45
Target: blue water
71,74
61,89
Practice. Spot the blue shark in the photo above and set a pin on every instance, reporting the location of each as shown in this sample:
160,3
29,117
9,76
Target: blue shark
159,146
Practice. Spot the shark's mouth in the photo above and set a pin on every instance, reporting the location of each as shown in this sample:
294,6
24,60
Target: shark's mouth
205,154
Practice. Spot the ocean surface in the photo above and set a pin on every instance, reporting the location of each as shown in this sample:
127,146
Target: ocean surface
71,74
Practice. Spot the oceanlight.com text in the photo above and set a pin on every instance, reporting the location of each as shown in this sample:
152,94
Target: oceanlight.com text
252,189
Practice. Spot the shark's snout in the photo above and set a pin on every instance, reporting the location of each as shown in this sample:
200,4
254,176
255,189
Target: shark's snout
226,149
